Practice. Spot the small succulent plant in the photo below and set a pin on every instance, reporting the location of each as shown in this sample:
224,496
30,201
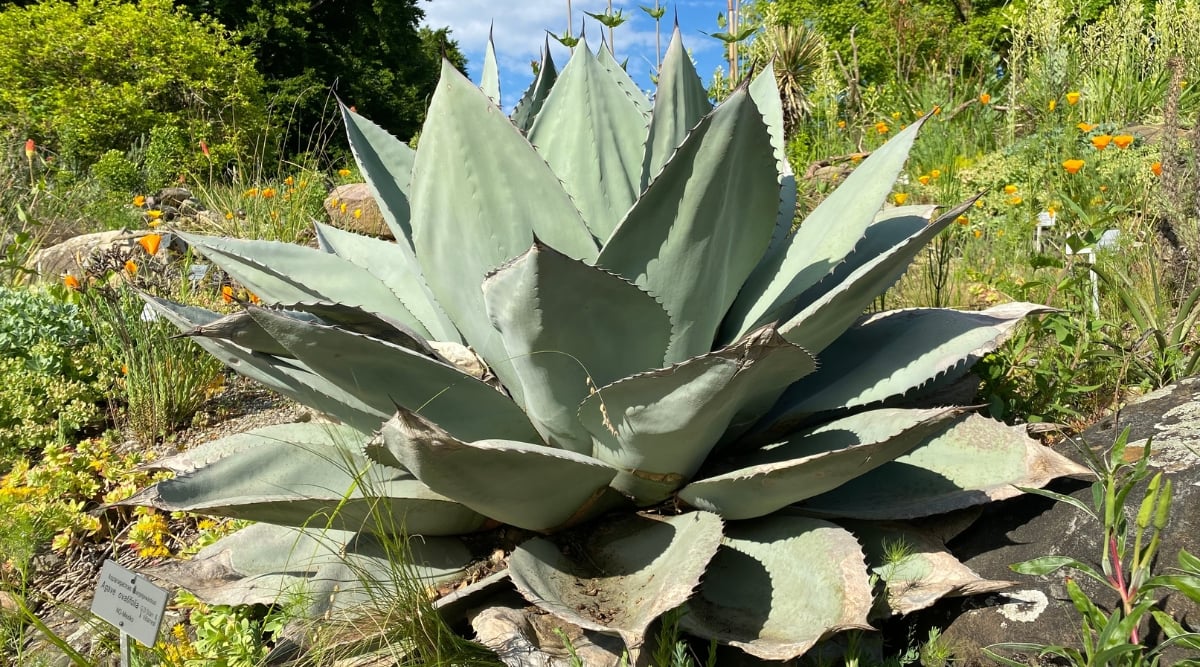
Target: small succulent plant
597,312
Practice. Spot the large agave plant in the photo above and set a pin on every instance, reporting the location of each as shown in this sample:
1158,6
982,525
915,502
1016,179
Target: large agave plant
598,311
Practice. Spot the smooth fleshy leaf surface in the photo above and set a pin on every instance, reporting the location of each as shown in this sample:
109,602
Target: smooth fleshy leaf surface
701,227
301,434
490,82
398,270
780,584
386,164
925,573
592,135
263,563
285,274
568,328
681,101
764,91
239,328
630,572
526,111
813,462
310,483
826,237
466,222
659,427
521,484
605,57
384,376
976,461
892,353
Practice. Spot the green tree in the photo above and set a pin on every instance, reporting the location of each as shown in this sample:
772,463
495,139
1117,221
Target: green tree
371,52
82,78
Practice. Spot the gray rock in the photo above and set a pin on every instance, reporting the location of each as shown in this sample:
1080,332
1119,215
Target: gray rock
353,208
1038,610
74,255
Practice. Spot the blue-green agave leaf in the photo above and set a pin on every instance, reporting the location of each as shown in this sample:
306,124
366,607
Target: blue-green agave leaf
820,323
568,328
301,434
490,81
386,164
289,377
779,585
681,101
593,136
813,462
823,241
975,461
658,427
915,566
890,354
605,57
525,485
627,572
285,274
384,375
535,96
397,268
764,90
240,328
700,228
466,221
311,483
331,570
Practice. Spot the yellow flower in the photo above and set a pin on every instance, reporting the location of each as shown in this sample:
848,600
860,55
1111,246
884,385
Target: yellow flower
900,198
289,181
268,193
984,98
229,215
357,213
978,233
1101,141
343,207
154,214
962,220
1156,168
1073,166
856,158
937,109
881,127
150,243
139,201
1013,201
895,115
1072,98
935,174
343,172
1123,140
924,179
1103,188
978,203
1010,189
130,267
1085,127
841,124
252,192
1053,104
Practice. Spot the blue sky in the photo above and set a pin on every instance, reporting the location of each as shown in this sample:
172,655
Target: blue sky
520,27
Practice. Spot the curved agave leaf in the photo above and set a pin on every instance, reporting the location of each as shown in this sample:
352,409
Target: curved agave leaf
764,91
679,243
285,274
289,377
396,268
624,574
915,567
386,163
239,328
780,584
592,135
659,427
467,221
681,101
524,485
813,462
302,434
310,483
823,241
384,375
570,327
263,563
976,461
605,57
526,111
490,81
889,354
827,317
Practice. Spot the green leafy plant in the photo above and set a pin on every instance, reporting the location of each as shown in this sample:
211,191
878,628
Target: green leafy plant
629,370
1126,560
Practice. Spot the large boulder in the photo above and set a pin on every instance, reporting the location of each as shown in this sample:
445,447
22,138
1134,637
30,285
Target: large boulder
91,252
352,207
1038,610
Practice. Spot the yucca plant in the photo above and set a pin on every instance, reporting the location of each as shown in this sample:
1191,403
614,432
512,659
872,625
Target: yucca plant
597,314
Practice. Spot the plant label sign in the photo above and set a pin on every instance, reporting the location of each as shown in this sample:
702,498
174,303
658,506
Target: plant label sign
130,602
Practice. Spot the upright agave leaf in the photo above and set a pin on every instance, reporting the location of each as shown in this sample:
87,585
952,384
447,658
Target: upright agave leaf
638,359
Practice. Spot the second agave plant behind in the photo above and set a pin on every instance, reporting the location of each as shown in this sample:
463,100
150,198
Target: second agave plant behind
597,312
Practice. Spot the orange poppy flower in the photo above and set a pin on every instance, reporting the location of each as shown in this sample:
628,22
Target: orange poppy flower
1010,189
1123,140
1073,166
139,201
130,267
924,179
881,127
962,220
984,98
1156,168
1101,141
227,294
1085,127
150,243
935,173
900,198
268,193
71,281
1073,98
